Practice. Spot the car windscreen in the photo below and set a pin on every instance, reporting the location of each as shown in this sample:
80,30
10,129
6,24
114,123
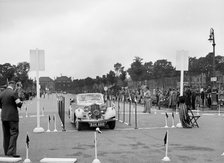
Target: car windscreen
89,98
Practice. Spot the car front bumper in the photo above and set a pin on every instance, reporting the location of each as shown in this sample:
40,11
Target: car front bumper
97,123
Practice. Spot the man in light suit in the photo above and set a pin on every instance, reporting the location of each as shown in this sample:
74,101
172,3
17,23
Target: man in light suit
9,102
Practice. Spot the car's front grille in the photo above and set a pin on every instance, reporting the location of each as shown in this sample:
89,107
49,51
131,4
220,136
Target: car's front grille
95,111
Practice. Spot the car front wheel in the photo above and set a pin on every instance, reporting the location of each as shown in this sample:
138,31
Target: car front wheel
111,124
78,125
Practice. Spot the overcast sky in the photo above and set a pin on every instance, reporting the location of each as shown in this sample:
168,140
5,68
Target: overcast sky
85,38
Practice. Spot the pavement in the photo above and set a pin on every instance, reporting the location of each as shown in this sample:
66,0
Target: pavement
124,144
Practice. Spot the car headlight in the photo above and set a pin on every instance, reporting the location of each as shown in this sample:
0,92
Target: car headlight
103,108
79,112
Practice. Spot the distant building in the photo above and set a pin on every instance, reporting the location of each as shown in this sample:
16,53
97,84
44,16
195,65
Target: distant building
46,83
63,83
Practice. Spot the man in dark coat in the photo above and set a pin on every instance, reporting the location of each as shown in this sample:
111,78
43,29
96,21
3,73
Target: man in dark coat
188,97
9,102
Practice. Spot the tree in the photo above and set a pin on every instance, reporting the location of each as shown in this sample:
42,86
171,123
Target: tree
194,66
7,72
163,68
220,64
21,73
149,70
111,77
123,75
118,68
137,71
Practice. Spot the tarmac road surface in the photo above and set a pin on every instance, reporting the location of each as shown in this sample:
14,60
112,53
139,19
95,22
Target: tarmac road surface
124,144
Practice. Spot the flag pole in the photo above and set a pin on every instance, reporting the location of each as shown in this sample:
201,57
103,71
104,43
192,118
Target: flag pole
55,130
48,123
27,160
167,142
26,112
166,126
173,126
166,158
42,111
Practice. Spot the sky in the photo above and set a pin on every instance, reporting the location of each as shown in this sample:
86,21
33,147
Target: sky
85,38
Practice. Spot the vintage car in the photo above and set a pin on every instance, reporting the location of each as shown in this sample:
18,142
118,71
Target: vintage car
90,108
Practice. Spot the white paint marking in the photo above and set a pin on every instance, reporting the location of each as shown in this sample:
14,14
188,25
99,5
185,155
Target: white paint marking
10,159
59,160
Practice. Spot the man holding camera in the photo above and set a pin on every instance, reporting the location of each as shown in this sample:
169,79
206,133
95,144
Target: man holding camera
9,102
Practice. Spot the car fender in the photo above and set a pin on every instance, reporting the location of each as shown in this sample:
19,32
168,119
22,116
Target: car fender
79,113
110,113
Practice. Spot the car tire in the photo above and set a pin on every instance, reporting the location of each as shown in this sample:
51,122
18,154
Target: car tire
78,125
74,119
111,124
69,114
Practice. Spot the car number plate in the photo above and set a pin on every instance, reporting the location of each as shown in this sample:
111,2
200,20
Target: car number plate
99,124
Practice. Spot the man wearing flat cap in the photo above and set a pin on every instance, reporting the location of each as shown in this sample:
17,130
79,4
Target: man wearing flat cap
9,102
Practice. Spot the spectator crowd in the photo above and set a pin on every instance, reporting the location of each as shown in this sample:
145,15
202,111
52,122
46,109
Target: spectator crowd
197,97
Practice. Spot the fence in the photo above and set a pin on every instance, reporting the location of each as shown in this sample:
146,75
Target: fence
61,110
124,114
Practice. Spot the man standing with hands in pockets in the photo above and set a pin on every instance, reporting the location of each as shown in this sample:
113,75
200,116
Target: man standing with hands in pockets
9,102
147,97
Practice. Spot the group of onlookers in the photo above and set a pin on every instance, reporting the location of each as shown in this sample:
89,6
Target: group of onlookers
197,97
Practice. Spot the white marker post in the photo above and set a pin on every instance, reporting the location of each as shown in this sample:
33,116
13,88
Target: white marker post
42,112
26,112
55,127
173,126
37,64
166,158
219,111
96,160
166,117
27,160
48,123
182,65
